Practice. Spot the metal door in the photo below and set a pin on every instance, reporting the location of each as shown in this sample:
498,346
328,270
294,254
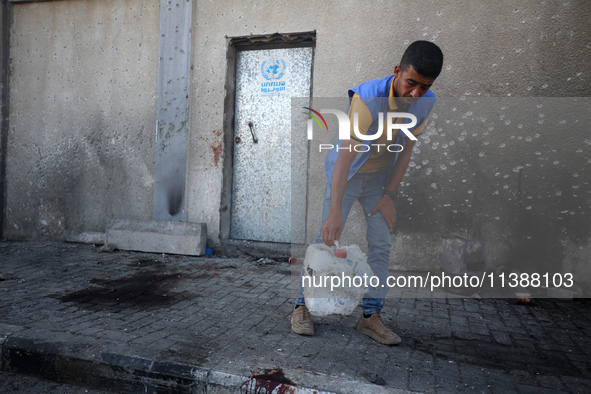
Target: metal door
266,80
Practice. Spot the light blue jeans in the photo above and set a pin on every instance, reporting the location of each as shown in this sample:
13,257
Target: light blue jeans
367,189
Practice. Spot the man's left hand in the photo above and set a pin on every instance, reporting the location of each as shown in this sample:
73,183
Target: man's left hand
386,207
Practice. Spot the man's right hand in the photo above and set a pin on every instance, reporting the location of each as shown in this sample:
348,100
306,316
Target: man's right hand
331,229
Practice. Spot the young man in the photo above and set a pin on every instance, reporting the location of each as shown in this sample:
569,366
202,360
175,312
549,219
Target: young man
372,177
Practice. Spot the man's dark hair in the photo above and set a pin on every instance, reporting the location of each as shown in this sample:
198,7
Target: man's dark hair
425,57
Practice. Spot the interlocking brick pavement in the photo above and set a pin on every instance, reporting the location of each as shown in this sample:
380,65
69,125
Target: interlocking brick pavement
162,322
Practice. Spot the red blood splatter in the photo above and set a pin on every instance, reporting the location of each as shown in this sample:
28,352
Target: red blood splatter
267,382
217,151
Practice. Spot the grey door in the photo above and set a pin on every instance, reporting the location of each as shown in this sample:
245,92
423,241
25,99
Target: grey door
266,80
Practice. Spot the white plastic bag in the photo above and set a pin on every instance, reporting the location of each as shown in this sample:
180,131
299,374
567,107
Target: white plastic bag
334,285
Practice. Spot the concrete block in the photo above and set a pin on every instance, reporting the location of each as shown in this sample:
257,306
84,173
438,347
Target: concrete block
157,236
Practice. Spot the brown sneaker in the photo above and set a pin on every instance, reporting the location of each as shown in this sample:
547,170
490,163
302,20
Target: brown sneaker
375,328
301,321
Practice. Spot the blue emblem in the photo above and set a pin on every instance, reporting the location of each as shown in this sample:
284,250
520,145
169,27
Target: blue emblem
273,68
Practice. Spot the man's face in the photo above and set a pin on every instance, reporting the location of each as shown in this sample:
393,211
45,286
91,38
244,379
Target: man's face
410,85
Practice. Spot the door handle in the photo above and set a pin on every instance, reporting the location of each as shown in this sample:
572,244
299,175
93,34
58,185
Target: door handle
254,136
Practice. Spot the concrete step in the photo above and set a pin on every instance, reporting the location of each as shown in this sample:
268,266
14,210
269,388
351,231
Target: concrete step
98,366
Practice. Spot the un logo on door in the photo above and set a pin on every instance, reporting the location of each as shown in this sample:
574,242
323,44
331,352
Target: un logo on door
273,68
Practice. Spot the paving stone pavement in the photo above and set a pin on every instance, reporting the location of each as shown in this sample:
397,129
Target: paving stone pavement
130,320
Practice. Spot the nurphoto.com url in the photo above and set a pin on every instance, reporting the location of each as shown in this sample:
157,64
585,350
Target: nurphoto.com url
442,280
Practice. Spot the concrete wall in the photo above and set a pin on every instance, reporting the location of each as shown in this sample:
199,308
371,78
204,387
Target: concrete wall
83,115
4,105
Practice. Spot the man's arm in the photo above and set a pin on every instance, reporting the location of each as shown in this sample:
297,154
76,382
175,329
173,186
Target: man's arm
386,204
401,166
333,226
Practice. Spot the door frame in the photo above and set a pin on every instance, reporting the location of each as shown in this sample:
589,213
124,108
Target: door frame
235,45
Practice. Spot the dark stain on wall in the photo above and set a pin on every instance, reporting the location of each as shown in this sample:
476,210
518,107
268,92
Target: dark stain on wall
175,199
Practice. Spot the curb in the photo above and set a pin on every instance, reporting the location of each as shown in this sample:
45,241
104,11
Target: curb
91,365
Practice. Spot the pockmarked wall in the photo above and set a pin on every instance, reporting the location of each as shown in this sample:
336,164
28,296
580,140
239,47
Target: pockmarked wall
494,177
83,83
83,108
510,173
